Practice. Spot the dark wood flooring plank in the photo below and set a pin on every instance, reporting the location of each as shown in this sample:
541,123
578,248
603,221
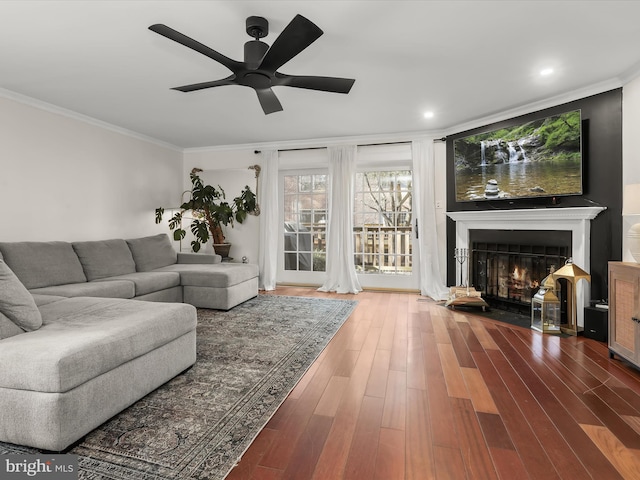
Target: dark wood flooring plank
364,447
247,467
440,414
612,420
419,454
415,361
399,347
330,400
524,437
478,390
449,464
330,464
495,433
508,463
543,375
303,460
559,406
263,473
456,386
465,359
626,461
394,415
578,379
613,392
347,362
333,458
561,456
377,383
473,447
480,329
390,458
617,368
469,336
278,419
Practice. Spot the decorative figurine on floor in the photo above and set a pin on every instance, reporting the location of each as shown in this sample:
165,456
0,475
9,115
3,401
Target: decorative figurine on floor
464,295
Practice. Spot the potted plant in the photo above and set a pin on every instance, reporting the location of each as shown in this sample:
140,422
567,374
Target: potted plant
210,212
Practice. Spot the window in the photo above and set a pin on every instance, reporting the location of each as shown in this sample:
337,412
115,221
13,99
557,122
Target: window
382,222
305,216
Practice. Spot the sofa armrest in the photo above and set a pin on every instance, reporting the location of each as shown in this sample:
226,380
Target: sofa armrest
198,258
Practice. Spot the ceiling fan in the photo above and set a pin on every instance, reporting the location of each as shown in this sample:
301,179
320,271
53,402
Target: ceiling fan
259,69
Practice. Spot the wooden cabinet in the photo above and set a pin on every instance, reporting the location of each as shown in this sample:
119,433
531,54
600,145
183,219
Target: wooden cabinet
624,311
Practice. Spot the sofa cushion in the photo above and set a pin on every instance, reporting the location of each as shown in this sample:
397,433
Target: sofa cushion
82,338
16,303
104,258
188,257
8,328
115,289
148,282
42,264
152,252
219,275
44,299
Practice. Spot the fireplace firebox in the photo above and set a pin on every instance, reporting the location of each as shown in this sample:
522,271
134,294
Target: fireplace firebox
508,266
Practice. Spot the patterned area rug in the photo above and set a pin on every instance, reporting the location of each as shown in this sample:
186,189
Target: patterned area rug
199,424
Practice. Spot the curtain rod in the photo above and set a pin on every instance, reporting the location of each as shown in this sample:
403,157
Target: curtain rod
443,139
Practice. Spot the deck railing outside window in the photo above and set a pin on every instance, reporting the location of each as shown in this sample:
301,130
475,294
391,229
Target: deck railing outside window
382,223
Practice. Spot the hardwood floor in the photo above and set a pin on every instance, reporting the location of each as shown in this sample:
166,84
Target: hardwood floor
408,389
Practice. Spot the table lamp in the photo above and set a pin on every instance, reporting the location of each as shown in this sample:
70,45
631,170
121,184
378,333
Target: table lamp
631,206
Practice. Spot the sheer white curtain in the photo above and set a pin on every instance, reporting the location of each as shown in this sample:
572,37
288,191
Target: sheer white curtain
269,220
431,283
341,272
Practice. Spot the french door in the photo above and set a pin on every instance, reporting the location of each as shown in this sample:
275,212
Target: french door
383,233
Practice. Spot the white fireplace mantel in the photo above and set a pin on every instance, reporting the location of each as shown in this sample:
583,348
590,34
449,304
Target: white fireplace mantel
574,219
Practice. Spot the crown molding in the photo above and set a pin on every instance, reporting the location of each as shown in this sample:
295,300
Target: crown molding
631,74
571,96
49,107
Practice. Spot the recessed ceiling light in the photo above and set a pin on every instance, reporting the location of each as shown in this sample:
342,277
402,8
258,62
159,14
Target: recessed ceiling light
546,71
428,114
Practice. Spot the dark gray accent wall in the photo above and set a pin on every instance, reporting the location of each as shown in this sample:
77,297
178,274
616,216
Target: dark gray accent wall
602,177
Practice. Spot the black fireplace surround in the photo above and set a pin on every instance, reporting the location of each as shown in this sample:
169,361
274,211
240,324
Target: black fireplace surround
602,183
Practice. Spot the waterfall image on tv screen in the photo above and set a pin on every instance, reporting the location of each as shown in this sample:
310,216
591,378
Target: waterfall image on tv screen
540,158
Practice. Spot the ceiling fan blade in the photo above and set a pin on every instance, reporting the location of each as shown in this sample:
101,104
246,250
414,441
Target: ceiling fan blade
325,84
298,35
268,101
203,85
189,42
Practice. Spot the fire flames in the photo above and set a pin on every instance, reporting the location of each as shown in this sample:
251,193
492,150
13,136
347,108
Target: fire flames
520,279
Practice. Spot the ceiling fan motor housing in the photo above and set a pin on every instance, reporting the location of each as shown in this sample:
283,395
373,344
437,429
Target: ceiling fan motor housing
254,50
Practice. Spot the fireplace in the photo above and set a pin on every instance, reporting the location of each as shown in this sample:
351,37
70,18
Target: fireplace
575,220
508,266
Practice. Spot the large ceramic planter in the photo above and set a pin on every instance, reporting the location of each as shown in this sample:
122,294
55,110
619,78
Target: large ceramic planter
222,249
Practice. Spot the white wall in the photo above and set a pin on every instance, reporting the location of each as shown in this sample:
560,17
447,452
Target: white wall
62,178
630,151
230,170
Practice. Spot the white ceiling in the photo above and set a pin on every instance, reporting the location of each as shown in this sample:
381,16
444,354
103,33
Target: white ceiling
463,60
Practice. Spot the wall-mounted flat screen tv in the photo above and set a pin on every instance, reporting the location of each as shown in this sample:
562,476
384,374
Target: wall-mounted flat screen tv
540,158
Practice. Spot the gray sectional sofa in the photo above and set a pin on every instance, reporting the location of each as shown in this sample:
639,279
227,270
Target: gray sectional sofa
78,346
